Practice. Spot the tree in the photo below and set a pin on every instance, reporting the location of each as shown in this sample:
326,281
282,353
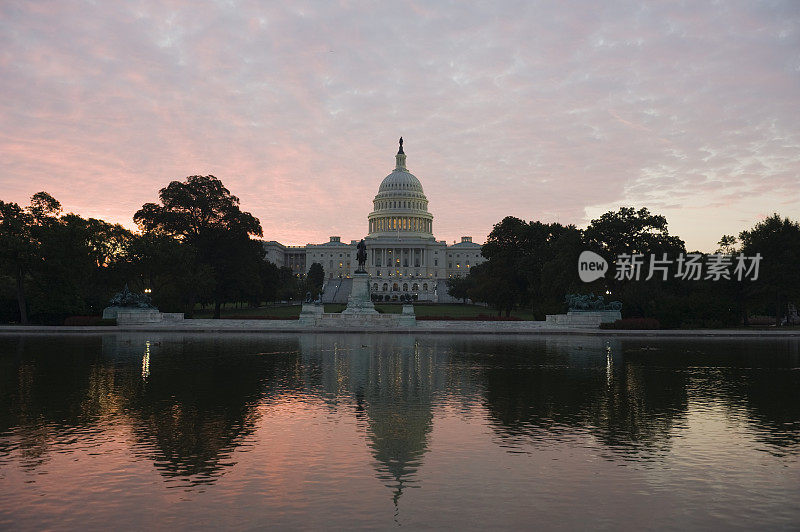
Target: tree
777,240
68,275
20,230
288,286
17,249
559,275
727,245
204,214
492,284
315,278
269,275
171,269
459,287
519,250
629,231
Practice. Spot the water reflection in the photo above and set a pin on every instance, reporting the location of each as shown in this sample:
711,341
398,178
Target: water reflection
187,404
391,384
758,381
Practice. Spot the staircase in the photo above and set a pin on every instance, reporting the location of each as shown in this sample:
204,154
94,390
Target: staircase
337,291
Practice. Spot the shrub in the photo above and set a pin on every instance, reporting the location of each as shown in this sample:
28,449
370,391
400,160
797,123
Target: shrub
251,317
479,317
633,324
761,320
85,321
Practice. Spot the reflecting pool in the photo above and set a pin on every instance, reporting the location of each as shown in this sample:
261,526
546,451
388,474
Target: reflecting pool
377,431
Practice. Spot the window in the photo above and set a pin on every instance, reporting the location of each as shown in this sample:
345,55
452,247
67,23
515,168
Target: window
405,287
375,287
424,287
385,287
435,262
415,287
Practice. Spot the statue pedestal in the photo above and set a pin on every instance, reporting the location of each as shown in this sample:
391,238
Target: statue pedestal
310,314
359,301
583,318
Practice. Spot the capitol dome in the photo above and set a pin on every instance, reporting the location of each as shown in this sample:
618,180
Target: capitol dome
401,179
400,207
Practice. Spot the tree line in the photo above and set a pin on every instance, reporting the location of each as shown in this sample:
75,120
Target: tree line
532,265
195,247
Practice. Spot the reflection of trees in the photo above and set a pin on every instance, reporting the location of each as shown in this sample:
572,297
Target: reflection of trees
199,400
195,405
637,408
541,390
759,374
538,391
43,381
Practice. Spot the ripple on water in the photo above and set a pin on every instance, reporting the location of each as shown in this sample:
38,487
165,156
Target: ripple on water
320,431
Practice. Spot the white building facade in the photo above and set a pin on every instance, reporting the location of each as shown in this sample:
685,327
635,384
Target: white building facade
403,256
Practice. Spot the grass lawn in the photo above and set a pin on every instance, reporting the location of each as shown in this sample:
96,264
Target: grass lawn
421,310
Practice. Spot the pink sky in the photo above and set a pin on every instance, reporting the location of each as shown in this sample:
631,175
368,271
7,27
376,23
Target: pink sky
552,112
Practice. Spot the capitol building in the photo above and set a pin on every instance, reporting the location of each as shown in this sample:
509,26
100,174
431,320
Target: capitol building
403,256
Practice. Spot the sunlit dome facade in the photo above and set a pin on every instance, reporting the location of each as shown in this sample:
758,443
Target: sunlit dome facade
400,208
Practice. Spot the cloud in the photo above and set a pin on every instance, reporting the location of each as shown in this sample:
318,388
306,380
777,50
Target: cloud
545,112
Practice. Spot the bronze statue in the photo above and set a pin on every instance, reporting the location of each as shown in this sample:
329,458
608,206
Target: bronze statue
588,303
128,299
401,146
361,256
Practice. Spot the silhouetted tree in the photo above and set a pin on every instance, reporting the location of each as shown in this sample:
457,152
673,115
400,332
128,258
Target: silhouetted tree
459,287
630,231
315,277
171,269
778,241
202,212
20,231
